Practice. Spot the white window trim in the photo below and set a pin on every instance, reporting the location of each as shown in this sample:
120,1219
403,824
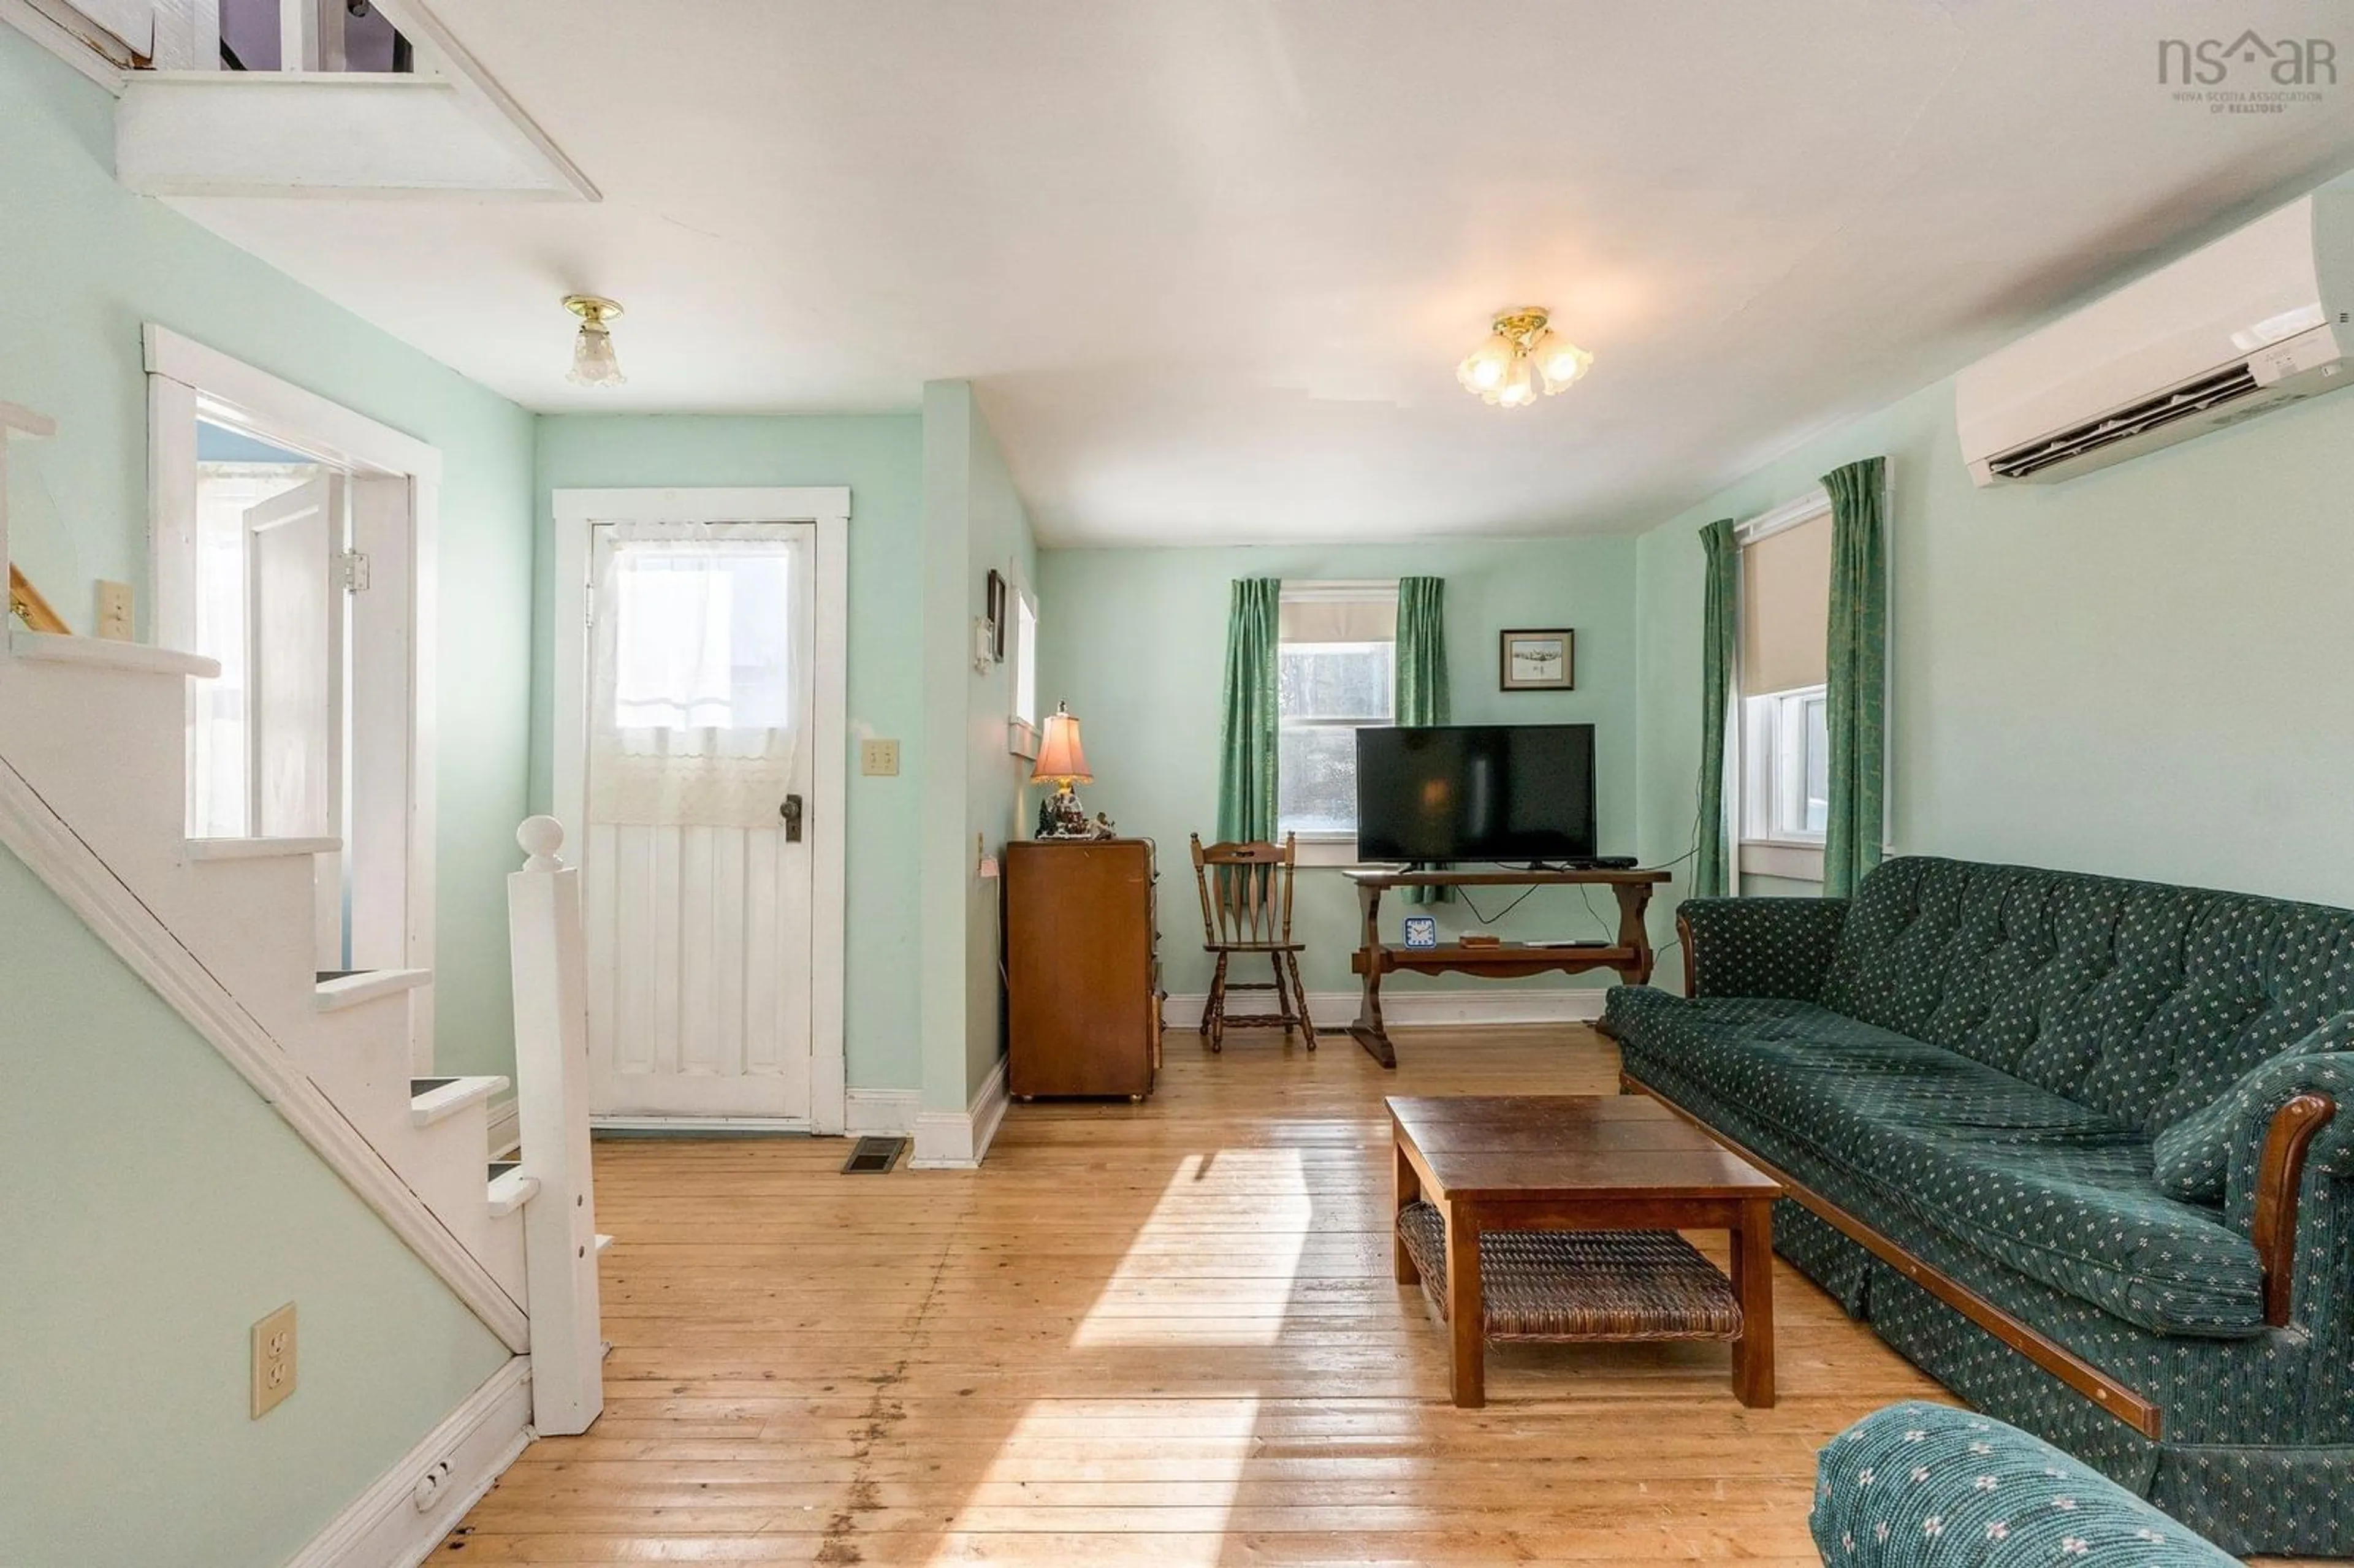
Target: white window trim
1313,591
186,381
1325,850
1321,850
1816,503
1022,736
1793,863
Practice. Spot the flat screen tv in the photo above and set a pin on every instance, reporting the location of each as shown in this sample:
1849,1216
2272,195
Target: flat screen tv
1517,792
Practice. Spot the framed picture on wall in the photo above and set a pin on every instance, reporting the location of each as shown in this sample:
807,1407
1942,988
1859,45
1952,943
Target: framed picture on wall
1536,661
995,595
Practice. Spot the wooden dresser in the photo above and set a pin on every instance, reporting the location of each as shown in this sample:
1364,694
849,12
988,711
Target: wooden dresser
1082,967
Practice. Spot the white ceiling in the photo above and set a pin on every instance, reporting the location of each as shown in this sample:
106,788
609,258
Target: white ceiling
1211,262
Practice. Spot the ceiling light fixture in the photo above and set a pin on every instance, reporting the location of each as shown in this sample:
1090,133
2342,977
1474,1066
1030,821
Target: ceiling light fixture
593,363
1522,355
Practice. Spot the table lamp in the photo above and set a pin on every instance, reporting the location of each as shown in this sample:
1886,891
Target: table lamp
1062,764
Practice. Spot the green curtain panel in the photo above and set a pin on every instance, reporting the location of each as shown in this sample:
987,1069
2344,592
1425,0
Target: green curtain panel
1421,650
1858,651
1246,729
1720,634
1421,697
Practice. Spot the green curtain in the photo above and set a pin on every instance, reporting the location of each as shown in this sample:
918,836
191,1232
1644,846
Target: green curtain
1421,697
1421,650
1858,665
1246,729
1719,642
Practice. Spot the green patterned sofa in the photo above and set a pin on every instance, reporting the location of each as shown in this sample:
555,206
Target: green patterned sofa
1927,1485
2067,1143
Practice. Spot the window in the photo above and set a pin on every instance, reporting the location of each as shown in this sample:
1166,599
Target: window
1336,671
698,641
219,744
1785,741
1788,743
1022,732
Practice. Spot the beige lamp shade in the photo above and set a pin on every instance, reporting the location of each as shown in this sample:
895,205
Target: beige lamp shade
1060,760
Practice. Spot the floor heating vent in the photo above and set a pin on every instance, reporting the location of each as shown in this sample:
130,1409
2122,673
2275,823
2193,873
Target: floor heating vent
874,1156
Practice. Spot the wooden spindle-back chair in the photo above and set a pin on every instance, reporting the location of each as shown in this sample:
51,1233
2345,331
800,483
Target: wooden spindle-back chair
1246,908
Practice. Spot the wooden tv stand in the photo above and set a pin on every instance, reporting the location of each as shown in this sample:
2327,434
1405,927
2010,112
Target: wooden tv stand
1631,954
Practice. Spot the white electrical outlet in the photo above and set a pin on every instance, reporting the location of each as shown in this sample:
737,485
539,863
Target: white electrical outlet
273,1360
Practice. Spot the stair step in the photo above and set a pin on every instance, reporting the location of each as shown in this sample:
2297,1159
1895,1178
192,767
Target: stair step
510,1189
105,654
258,849
339,988
430,1099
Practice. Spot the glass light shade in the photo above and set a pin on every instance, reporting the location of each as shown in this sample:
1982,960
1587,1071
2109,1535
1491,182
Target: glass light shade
593,361
1487,366
1561,363
1520,387
1060,759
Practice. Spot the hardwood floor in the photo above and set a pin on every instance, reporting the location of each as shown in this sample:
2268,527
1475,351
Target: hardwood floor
1160,1334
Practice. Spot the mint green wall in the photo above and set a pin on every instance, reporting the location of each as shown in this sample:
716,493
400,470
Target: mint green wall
998,537
1135,640
974,520
157,1208
2141,672
85,263
880,458
941,838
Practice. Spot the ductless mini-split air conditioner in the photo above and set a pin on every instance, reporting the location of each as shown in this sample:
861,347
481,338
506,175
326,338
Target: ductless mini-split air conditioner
2257,318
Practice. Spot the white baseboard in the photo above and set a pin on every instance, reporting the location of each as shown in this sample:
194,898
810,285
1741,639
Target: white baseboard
957,1141
1332,1010
506,1129
384,1527
886,1111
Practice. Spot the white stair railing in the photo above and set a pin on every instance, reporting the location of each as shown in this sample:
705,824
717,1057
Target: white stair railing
551,1014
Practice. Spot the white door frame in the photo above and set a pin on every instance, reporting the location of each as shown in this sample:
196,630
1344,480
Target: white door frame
828,507
393,780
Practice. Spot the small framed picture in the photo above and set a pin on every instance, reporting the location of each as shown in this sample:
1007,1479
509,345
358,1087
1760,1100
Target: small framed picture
1421,931
1539,661
996,606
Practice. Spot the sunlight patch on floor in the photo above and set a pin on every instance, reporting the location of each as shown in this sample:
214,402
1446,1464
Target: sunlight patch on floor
1249,1208
1035,1476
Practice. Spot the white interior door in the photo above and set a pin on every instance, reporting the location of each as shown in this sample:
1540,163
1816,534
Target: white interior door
701,791
294,672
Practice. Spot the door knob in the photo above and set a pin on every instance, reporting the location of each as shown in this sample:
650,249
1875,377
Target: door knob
791,813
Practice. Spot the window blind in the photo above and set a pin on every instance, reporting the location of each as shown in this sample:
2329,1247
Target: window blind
1785,598
1332,619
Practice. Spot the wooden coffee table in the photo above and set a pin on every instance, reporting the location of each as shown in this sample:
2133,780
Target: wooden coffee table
1620,1174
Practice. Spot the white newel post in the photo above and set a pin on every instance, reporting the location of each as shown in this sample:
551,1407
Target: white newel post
551,1013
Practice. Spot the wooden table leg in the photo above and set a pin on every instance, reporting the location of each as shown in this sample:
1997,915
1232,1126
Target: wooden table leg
1368,1030
1465,1317
1753,1277
1634,931
1409,1187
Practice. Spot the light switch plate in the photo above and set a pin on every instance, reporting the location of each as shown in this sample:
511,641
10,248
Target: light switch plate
115,611
879,758
273,1360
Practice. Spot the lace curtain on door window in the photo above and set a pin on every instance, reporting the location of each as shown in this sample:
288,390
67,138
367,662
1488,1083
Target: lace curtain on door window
693,664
